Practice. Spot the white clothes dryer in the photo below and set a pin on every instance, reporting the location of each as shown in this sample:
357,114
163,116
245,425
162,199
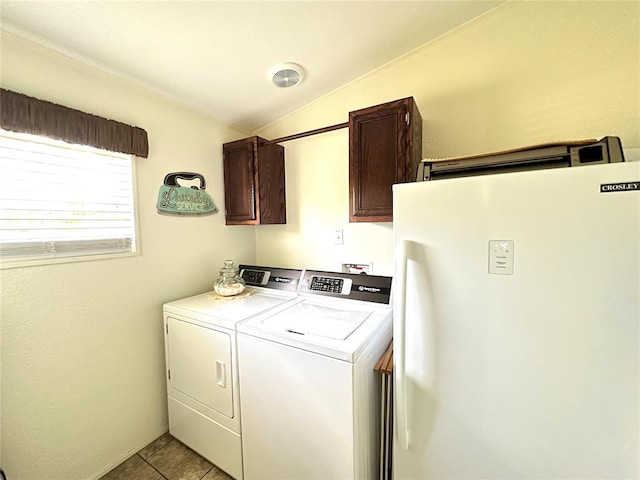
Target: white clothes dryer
201,358
310,397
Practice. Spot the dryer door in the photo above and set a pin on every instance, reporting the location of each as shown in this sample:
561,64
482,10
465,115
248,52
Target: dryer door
200,364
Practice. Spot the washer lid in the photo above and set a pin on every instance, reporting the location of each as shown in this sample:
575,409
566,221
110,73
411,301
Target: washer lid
312,319
341,329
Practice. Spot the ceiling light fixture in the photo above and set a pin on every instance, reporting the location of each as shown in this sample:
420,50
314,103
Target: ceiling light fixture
285,75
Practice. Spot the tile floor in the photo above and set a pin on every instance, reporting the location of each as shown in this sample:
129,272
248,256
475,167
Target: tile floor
166,459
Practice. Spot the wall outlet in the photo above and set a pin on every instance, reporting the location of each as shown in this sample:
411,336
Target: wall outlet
358,268
337,237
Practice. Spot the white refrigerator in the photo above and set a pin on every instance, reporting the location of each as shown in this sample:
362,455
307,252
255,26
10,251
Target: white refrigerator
516,326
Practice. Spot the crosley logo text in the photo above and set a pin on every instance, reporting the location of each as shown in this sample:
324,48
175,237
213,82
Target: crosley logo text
619,187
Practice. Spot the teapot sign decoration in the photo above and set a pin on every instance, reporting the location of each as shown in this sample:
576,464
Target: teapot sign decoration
175,199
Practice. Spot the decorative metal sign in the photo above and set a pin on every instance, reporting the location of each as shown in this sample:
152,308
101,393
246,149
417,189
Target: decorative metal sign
175,199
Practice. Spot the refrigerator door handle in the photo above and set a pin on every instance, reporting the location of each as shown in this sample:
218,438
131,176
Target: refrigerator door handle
399,339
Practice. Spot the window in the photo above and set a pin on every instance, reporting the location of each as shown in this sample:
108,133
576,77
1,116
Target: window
63,201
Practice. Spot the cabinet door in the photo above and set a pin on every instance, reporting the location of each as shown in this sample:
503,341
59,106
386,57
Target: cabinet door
200,364
239,182
381,151
271,186
254,184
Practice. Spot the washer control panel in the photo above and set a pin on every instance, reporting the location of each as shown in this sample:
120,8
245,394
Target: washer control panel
368,288
331,285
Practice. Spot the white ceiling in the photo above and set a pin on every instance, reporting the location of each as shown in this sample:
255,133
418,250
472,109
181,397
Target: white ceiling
215,55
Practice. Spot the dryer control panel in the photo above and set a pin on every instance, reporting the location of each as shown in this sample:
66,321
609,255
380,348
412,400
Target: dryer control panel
286,279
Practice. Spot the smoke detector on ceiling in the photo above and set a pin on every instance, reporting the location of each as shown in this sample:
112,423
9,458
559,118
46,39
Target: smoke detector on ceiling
285,75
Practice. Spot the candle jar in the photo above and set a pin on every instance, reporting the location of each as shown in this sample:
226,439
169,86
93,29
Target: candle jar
229,282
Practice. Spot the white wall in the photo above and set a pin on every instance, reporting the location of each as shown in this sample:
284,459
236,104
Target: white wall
81,348
83,382
527,72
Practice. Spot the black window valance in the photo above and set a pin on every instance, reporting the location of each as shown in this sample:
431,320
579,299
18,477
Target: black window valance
21,113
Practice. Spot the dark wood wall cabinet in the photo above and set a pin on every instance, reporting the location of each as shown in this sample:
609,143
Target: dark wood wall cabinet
385,147
254,185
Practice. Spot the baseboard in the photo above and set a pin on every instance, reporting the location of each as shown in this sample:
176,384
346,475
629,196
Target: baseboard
107,468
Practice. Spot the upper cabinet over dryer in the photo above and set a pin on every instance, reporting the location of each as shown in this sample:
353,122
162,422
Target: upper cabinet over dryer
254,185
385,147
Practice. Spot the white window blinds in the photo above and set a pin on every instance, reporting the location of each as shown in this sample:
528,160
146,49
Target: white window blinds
63,200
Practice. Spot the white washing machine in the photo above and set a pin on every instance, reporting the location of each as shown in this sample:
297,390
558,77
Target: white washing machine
201,358
310,396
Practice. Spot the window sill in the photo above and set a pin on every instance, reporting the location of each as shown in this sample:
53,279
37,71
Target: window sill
36,262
